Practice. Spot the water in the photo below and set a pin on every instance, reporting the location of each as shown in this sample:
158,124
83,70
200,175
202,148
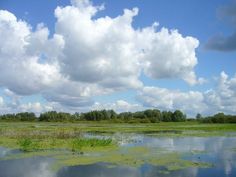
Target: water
216,150
4,152
30,167
99,170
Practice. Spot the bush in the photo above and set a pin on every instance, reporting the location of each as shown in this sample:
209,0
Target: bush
27,145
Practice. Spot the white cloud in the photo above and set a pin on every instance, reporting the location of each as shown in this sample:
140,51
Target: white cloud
169,55
118,106
14,104
40,45
223,98
35,107
1,102
220,99
20,71
106,52
3,106
165,99
14,100
74,94
111,52
101,51
28,64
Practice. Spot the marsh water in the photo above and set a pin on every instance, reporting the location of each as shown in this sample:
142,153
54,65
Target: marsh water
219,151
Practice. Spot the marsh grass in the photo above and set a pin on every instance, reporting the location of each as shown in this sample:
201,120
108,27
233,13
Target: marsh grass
28,138
70,136
28,145
40,136
78,144
71,144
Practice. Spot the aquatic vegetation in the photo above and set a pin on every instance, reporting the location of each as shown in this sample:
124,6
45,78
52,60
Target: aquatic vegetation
70,145
133,156
130,156
27,144
74,130
78,144
234,149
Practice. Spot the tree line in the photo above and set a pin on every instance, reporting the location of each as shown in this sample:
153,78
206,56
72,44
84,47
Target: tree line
217,118
146,116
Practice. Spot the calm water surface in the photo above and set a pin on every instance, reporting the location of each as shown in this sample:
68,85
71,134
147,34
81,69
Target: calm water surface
216,150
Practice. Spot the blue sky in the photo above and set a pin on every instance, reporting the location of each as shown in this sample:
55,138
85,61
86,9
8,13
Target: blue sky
213,84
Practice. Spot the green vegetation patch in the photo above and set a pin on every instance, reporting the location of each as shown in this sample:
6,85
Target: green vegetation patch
43,130
127,156
73,144
132,156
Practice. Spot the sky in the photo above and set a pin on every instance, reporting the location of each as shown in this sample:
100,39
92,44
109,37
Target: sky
126,55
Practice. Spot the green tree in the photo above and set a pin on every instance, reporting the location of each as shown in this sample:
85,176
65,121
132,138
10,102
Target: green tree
166,116
198,116
178,116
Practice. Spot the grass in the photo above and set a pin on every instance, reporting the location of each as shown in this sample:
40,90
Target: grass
78,144
72,144
115,127
39,136
27,144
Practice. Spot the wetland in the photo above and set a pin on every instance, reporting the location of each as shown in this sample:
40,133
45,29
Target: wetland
105,149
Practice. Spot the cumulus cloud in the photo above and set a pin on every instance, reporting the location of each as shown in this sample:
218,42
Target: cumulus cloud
118,106
12,103
28,63
14,100
165,99
99,51
220,99
89,56
75,94
3,107
223,98
35,107
111,52
20,71
167,54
